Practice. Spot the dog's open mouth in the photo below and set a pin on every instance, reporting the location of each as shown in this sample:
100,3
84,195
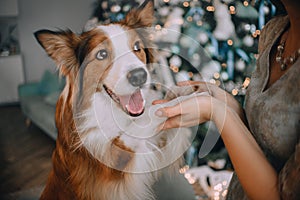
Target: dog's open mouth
133,104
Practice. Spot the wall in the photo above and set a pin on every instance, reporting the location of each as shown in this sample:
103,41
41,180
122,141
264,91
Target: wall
8,8
43,14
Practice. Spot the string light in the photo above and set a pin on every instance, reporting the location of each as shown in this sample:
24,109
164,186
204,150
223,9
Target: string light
189,18
235,92
210,8
216,75
246,3
186,4
230,42
187,175
158,27
212,81
190,178
256,33
232,10
199,23
174,68
246,82
184,169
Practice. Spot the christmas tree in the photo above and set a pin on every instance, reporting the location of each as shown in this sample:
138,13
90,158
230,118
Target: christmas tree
210,40
218,43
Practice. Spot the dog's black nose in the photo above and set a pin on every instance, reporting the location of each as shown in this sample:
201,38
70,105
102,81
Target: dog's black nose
137,77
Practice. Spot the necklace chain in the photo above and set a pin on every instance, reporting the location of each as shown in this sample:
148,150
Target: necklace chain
289,60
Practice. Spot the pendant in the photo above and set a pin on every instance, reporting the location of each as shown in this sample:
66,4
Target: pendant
283,66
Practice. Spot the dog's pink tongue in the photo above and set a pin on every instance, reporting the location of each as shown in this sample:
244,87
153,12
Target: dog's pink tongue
134,103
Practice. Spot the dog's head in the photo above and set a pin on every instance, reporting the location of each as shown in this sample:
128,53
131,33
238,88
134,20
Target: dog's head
111,58
107,76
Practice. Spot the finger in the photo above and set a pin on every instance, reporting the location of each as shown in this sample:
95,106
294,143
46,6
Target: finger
169,112
174,122
160,101
188,83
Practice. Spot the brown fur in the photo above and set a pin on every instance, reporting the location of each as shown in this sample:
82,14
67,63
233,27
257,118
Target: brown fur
76,174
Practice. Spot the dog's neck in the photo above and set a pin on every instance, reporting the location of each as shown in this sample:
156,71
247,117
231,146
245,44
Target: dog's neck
77,174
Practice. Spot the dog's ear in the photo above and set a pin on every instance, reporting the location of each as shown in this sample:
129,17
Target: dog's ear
60,46
143,16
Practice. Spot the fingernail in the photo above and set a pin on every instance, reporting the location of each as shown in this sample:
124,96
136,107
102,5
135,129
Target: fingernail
159,113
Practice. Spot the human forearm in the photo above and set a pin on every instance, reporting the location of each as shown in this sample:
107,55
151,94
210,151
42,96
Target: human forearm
255,173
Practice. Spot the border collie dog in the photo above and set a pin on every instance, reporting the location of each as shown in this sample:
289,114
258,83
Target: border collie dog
108,147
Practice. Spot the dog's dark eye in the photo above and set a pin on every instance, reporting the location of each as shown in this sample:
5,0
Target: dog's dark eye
137,46
102,54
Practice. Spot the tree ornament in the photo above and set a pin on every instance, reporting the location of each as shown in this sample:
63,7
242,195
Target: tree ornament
183,75
104,5
196,59
175,60
164,11
240,65
224,76
248,41
115,8
210,69
225,27
211,50
185,41
245,12
173,26
266,10
203,37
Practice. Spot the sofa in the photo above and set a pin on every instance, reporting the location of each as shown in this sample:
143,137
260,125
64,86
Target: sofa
38,101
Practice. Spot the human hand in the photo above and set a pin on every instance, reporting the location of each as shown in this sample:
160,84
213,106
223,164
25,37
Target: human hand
190,112
188,87
197,110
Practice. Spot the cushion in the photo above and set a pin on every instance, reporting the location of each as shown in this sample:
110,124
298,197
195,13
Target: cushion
50,83
52,98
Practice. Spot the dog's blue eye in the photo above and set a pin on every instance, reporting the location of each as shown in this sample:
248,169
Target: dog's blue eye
102,54
137,46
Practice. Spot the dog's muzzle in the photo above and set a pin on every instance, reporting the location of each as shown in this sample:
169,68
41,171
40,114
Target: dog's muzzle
133,103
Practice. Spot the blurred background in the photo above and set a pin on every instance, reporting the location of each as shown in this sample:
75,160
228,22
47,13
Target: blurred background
211,40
